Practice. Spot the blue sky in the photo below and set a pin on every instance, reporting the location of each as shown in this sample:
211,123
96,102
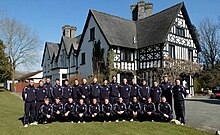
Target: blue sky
46,17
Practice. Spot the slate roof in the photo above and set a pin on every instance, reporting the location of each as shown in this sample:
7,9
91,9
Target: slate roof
68,42
154,29
118,31
52,48
148,31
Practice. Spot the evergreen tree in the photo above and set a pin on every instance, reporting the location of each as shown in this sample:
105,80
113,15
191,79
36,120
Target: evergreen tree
5,67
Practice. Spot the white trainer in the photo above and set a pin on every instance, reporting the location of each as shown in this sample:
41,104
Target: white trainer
117,121
131,120
78,121
123,120
26,125
34,123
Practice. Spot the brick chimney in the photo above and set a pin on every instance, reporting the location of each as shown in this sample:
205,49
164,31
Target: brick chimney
141,10
69,31
149,8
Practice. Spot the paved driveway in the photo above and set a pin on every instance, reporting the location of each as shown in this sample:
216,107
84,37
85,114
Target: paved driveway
203,113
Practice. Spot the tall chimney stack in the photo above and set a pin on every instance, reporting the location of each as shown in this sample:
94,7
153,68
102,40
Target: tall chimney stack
141,10
149,8
69,31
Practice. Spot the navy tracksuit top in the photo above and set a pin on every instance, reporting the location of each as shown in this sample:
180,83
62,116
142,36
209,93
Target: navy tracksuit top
28,94
124,91
40,93
104,92
114,89
66,91
95,90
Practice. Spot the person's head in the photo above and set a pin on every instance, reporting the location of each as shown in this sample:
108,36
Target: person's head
105,81
46,101
70,99
66,82
120,99
114,78
133,81
41,83
134,99
165,78
48,80
163,99
106,100
57,100
149,100
31,82
94,100
177,81
155,83
58,81
125,80
76,82
81,101
84,80
94,80
144,82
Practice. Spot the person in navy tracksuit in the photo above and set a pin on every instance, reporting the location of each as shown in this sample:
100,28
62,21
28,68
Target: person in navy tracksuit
104,92
84,91
49,90
124,91
114,90
40,96
94,110
57,90
28,95
135,110
165,110
75,90
46,112
95,88
81,111
144,92
134,90
155,93
58,110
179,94
167,90
66,91
107,111
70,110
149,110
120,110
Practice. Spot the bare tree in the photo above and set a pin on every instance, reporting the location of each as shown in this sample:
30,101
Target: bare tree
22,44
209,41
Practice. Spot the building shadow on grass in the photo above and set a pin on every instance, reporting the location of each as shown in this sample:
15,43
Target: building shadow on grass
209,101
21,119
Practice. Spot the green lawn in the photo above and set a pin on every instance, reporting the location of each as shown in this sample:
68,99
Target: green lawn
11,109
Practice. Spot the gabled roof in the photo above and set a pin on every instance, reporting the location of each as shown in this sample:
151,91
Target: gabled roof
154,29
68,42
52,49
148,31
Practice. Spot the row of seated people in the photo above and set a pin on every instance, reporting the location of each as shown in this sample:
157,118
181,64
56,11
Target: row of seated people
80,112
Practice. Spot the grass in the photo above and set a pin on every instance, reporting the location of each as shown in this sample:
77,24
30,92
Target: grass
11,109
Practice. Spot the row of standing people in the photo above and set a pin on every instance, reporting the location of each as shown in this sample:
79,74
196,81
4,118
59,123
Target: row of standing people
111,91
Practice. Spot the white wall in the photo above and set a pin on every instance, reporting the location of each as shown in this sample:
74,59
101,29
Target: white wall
86,70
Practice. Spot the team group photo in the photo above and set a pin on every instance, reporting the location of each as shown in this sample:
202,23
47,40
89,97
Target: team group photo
104,102
109,67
